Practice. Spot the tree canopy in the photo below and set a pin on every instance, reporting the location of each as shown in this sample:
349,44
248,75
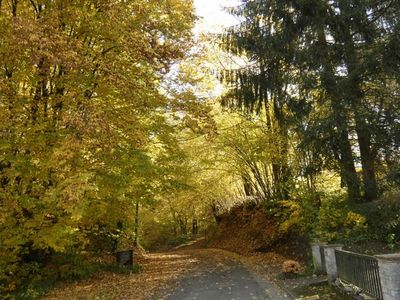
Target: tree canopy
82,113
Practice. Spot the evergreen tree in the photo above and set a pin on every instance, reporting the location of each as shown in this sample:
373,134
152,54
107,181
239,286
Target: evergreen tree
310,63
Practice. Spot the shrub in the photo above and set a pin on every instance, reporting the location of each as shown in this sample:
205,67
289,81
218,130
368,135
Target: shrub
296,215
70,266
289,215
337,223
383,217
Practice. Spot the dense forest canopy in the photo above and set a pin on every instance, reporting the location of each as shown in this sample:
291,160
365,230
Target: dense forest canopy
113,133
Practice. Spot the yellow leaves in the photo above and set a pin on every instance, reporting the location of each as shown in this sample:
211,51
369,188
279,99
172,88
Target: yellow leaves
293,215
83,110
356,220
336,222
55,236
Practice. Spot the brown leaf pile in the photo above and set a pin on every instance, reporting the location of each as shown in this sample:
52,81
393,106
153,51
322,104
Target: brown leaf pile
291,266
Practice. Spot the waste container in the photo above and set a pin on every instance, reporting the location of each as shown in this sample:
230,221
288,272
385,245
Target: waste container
125,258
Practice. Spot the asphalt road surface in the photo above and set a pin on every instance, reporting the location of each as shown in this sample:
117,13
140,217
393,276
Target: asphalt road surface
224,280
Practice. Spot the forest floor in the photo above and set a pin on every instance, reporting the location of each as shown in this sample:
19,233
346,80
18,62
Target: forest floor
181,274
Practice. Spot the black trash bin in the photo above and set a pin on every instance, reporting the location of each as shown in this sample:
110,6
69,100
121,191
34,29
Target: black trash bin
125,258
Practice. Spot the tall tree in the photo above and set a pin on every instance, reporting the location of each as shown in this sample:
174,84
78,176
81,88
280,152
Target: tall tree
81,105
309,54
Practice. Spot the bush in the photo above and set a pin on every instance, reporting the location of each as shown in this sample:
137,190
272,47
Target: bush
297,216
12,277
328,220
383,218
337,223
33,289
70,266
39,280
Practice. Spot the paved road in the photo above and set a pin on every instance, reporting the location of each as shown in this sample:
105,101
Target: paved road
224,280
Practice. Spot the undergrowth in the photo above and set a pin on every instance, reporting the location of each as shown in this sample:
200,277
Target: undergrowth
71,269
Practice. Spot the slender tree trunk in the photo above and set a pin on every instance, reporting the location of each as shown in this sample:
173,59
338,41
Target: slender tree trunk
285,170
194,226
281,174
136,240
248,189
348,169
183,225
14,5
367,160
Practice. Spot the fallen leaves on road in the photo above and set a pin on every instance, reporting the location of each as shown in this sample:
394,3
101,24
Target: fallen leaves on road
160,273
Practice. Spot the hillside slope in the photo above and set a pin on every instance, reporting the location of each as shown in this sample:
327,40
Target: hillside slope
249,230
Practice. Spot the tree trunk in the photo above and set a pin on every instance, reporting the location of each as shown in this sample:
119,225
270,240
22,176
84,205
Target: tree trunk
367,160
136,240
183,225
348,169
344,152
14,4
194,227
355,95
247,186
281,170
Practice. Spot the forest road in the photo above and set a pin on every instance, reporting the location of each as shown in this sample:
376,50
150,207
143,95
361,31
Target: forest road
218,277
189,273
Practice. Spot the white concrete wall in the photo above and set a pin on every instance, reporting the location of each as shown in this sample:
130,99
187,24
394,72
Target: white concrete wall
389,272
317,260
330,261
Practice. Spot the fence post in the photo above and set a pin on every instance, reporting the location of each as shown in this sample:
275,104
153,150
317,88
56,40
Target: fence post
330,261
389,272
317,259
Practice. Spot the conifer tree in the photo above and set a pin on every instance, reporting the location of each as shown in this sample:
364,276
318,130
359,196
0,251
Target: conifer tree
314,60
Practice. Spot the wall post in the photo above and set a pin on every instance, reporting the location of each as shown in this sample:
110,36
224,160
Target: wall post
330,261
317,259
389,273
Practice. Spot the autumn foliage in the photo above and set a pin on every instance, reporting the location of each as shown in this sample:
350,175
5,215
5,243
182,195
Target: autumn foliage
80,107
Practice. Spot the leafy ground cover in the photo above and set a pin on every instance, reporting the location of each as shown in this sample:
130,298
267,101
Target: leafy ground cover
159,274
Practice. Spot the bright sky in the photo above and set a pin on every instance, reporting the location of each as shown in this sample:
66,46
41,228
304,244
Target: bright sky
213,16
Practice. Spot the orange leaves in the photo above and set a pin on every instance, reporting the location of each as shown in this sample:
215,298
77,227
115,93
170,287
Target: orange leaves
291,266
